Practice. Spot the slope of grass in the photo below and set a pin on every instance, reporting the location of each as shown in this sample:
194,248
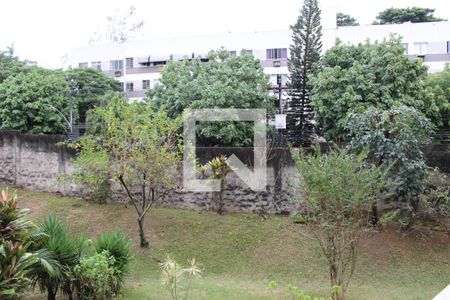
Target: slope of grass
241,253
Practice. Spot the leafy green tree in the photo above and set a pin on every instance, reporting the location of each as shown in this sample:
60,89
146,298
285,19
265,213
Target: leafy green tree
10,65
345,20
224,82
440,82
35,102
369,75
88,87
409,14
392,139
304,53
340,190
143,152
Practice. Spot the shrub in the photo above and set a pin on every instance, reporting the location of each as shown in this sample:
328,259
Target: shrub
118,245
15,259
173,276
220,169
97,277
57,255
435,199
340,192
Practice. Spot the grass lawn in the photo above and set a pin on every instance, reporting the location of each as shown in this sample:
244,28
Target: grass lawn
241,253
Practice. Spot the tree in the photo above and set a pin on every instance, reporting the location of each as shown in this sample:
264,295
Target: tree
120,28
340,192
224,82
345,20
369,75
35,102
440,82
10,65
392,139
143,149
88,87
305,52
409,14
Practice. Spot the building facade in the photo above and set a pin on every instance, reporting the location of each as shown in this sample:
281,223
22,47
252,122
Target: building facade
137,65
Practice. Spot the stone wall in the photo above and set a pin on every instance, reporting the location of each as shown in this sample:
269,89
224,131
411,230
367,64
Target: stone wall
36,162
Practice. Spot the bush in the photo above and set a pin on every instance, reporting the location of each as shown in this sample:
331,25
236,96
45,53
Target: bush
340,193
435,199
58,253
15,259
118,245
97,277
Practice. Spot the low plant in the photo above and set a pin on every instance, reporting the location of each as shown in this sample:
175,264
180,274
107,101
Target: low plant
97,277
434,201
118,246
15,259
220,169
57,254
177,278
91,169
297,293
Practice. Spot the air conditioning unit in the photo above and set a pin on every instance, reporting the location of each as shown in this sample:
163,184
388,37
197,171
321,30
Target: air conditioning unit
117,73
277,63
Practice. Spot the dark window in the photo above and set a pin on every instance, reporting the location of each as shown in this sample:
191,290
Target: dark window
250,52
121,86
276,53
145,84
83,65
129,62
448,47
130,87
232,53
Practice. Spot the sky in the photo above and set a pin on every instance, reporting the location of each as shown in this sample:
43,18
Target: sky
45,30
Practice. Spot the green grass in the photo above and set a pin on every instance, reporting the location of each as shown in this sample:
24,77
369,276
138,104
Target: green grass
241,253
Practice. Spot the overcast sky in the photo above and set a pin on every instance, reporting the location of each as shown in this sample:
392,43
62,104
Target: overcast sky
45,30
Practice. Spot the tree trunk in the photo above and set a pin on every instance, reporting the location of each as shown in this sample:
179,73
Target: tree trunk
144,242
51,295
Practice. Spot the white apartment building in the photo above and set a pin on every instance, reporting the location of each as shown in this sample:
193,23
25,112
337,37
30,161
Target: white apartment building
137,64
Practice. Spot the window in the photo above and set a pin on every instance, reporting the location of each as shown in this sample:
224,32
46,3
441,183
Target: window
448,47
145,84
273,79
276,53
121,86
116,64
232,53
405,45
129,62
420,48
129,87
96,65
250,52
83,65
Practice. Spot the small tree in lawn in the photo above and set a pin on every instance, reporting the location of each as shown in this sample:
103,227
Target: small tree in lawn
144,154
340,191
220,169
